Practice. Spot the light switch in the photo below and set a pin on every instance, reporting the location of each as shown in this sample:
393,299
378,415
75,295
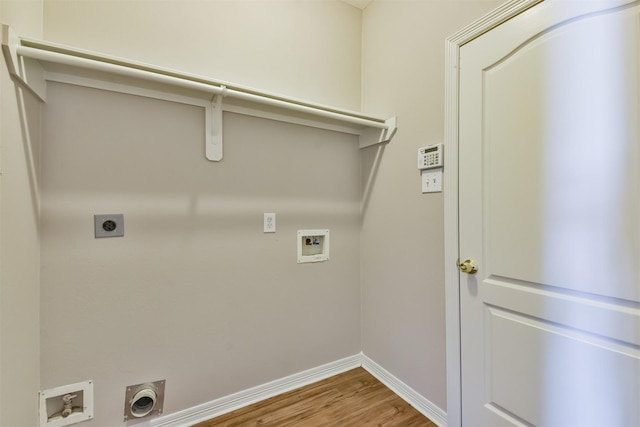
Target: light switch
432,181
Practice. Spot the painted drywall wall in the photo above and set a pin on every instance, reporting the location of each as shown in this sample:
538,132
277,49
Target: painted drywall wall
19,245
402,238
195,292
299,48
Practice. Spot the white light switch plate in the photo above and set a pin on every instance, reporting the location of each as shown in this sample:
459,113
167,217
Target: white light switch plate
432,181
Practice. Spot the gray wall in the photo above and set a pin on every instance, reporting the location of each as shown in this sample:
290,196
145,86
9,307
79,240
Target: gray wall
402,242
19,245
195,292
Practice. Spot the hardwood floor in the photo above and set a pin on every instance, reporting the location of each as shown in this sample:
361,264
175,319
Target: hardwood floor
354,398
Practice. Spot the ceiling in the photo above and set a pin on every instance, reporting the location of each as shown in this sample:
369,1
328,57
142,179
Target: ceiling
360,4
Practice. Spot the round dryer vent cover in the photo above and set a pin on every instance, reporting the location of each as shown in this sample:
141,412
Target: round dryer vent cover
144,400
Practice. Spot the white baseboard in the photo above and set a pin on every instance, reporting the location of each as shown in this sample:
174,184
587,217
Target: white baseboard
426,407
250,396
247,397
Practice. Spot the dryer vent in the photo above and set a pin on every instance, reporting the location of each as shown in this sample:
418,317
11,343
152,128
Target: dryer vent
144,400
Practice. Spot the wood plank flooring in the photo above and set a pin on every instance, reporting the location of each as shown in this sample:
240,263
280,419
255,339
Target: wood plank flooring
351,399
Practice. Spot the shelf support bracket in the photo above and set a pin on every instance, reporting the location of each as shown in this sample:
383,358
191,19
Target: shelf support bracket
213,120
373,136
26,72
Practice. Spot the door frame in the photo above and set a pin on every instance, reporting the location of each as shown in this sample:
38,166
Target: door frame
451,235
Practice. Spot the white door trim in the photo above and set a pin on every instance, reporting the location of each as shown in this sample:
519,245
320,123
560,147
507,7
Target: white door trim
452,278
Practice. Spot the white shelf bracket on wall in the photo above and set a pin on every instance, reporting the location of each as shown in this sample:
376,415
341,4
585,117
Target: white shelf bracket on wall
32,63
213,124
372,136
24,71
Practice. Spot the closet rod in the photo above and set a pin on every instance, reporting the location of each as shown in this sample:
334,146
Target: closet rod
78,61
305,109
189,83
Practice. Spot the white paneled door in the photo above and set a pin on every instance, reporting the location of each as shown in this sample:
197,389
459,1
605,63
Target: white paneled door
549,211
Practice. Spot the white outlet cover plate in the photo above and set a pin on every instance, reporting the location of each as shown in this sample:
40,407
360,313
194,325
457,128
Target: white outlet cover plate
85,387
269,222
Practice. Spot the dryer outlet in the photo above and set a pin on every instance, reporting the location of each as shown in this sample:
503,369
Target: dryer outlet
111,225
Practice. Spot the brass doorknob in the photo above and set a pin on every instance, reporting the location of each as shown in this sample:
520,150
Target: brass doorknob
468,266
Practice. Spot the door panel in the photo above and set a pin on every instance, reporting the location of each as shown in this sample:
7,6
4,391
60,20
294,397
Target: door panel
558,395
549,208
575,186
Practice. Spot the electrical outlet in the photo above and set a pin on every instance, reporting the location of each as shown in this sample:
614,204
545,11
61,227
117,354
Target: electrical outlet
269,222
109,225
66,405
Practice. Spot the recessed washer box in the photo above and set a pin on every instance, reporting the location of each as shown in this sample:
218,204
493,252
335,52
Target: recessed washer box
111,225
66,405
313,245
